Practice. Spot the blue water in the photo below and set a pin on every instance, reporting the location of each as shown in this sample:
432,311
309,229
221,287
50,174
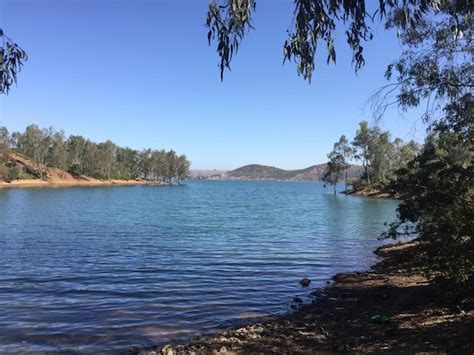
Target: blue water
106,268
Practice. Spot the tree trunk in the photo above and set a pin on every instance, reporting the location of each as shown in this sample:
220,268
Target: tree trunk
345,176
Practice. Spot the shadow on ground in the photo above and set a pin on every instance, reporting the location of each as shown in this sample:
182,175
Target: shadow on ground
392,308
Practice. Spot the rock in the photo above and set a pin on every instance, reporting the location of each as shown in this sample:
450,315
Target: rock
222,350
305,282
168,350
297,300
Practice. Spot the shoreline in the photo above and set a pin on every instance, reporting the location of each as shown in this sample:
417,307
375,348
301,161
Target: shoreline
367,192
35,183
392,307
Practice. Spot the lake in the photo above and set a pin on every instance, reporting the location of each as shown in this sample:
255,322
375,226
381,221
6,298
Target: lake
106,268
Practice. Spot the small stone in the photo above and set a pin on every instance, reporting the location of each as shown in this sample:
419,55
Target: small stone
305,282
167,350
297,300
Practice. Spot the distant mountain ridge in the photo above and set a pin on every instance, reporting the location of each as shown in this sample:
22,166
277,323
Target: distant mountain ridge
203,174
264,172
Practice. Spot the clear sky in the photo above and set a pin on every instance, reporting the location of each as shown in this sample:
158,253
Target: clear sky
141,73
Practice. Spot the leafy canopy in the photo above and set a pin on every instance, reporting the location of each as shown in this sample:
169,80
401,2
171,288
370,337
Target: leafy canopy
316,22
11,61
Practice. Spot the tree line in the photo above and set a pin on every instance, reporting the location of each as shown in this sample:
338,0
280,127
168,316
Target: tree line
380,157
46,147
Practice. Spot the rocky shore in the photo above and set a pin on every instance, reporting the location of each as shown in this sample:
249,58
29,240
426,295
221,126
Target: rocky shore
369,192
394,307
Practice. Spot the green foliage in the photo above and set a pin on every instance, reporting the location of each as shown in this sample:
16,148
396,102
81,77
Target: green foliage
315,22
9,172
11,61
436,186
437,191
24,175
338,162
227,22
106,160
4,137
436,64
380,156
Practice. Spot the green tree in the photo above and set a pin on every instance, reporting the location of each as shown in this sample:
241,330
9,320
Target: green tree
35,143
382,153
106,160
58,155
436,190
106,156
159,165
91,163
182,170
336,165
4,144
362,147
404,153
343,148
126,163
171,166
76,147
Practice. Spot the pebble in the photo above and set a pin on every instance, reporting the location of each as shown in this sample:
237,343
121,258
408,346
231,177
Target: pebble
305,282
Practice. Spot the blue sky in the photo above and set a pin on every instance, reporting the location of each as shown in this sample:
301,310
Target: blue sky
142,74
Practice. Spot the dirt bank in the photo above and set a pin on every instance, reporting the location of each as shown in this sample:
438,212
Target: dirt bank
54,177
71,183
368,192
391,308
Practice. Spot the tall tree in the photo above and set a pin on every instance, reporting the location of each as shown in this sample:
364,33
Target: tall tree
344,150
182,169
4,144
76,146
436,193
362,147
336,165
58,153
382,154
106,157
35,143
106,160
171,166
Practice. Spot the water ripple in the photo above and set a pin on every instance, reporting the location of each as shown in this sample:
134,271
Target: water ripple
102,269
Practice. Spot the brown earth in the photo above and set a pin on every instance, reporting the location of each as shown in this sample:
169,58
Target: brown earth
369,192
412,315
56,178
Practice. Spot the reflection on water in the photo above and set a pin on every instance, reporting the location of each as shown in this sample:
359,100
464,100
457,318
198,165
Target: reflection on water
107,268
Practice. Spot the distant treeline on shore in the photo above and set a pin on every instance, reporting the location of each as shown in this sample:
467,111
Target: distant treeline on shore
79,156
381,157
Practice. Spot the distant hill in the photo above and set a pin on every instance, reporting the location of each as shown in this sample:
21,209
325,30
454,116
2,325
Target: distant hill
202,174
263,172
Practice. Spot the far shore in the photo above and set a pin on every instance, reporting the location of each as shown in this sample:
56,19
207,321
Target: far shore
75,183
